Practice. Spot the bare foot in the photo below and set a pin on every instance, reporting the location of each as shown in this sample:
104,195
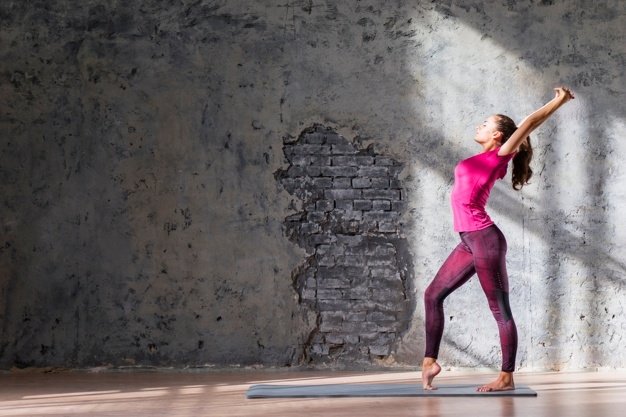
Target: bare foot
430,369
503,383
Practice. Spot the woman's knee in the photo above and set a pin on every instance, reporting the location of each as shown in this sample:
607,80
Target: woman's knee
436,295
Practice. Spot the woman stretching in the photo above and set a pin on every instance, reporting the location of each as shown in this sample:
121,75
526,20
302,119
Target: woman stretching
482,249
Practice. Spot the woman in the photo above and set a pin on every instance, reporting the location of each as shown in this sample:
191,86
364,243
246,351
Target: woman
483,247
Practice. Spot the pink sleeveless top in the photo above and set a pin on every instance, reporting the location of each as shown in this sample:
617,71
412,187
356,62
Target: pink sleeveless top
473,180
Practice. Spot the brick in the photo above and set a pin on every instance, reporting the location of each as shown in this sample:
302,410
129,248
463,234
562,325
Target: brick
380,216
358,316
338,283
313,194
380,183
398,206
386,295
339,171
325,205
384,339
343,161
346,205
320,349
346,326
351,306
348,215
295,171
319,160
334,272
315,138
298,160
361,182
395,183
381,205
362,205
380,260
351,260
323,182
342,182
326,260
302,182
342,194
385,250
308,294
384,161
356,271
356,249
387,227
350,240
311,150
386,273
363,160
357,294
316,216
309,228
378,316
339,149
298,217
334,339
360,280
391,327
387,284
329,294
379,350
287,183
330,249
315,240
369,337
373,172
334,138
368,227
333,316
313,171
350,227
375,194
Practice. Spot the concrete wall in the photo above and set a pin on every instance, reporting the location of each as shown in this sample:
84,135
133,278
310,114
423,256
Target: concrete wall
145,221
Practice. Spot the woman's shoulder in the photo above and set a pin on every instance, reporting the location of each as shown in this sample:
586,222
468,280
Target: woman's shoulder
496,154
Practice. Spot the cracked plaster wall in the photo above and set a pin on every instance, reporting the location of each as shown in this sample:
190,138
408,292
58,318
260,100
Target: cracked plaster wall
142,223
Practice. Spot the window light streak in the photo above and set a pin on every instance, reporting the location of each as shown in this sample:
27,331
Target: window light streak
69,394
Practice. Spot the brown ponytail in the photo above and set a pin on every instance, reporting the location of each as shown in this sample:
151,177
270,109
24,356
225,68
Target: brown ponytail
521,161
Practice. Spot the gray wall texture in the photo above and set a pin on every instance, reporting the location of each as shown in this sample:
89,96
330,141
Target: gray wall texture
265,183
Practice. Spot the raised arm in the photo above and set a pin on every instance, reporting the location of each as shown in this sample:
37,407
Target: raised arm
534,120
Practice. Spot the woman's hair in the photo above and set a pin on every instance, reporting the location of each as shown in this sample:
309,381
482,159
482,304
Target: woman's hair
521,160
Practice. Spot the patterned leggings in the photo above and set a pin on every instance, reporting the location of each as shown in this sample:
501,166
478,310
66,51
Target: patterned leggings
482,252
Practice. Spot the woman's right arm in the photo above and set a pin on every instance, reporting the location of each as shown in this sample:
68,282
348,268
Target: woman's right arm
534,120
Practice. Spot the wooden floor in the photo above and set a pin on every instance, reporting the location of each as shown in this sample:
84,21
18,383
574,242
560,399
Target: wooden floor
218,394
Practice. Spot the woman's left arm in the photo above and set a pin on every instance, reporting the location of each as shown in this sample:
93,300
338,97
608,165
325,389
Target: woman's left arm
534,120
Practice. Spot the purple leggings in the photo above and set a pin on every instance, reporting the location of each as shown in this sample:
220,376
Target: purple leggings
482,252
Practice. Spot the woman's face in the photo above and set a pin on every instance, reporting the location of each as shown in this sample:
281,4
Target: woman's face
487,131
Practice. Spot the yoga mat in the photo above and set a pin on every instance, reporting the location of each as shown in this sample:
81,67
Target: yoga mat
378,390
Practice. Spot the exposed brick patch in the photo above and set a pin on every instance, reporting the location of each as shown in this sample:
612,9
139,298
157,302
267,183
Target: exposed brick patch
355,277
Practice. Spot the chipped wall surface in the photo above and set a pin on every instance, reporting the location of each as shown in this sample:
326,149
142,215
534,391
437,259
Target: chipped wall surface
356,279
149,216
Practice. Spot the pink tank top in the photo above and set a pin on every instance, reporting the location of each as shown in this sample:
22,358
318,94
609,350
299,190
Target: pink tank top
473,180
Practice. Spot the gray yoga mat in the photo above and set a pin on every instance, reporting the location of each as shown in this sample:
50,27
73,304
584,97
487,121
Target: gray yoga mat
378,390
